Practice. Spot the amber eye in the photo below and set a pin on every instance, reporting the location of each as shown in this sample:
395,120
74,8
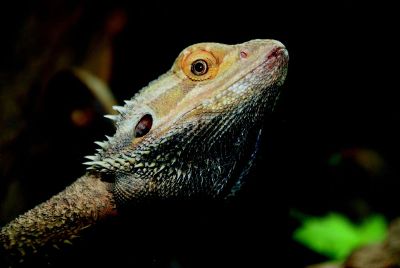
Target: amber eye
143,126
199,67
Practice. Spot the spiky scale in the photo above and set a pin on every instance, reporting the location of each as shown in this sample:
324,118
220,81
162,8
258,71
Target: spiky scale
101,164
66,241
120,109
138,165
120,160
112,117
92,157
131,160
159,169
178,173
112,162
101,144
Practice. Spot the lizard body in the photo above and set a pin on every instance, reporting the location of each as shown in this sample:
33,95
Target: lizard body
191,133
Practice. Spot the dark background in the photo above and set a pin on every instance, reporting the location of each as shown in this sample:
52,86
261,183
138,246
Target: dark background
331,144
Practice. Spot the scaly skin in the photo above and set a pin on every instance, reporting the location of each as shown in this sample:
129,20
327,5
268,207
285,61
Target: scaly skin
192,133
59,219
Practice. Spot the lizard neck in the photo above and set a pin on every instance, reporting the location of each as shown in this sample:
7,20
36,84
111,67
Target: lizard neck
59,219
216,158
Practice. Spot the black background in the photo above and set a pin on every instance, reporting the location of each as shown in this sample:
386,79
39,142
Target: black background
340,93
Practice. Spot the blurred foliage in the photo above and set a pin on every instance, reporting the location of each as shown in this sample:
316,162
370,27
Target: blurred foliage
368,159
335,236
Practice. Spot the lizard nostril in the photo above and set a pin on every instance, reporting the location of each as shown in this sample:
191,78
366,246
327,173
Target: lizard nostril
275,52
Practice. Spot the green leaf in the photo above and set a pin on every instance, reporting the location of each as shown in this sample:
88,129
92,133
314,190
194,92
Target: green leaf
335,236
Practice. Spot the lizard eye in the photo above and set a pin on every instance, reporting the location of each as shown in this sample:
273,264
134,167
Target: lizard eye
199,67
143,126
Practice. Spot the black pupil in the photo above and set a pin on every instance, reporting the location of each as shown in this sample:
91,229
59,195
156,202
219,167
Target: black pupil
144,126
199,67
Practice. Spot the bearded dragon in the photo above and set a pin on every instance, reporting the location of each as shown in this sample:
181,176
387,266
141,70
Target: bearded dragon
191,133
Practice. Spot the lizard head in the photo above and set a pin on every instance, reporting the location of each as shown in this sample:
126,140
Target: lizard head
193,131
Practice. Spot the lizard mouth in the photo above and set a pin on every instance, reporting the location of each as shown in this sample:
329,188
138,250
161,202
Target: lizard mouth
277,57
277,53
